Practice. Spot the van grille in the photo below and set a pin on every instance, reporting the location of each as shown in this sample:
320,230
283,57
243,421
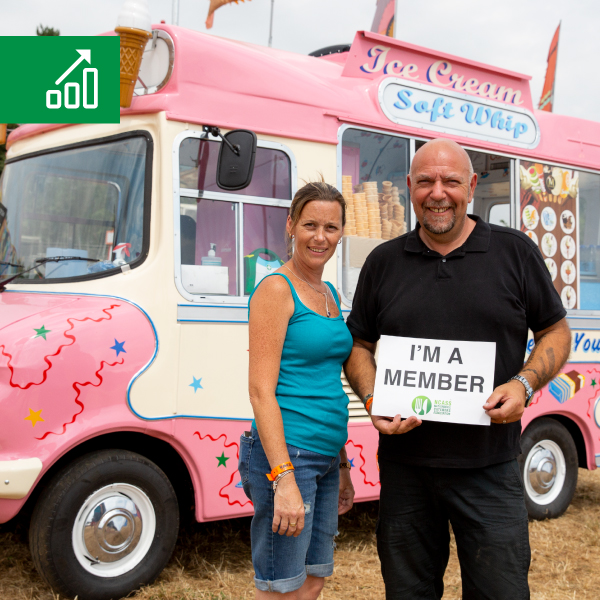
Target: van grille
355,406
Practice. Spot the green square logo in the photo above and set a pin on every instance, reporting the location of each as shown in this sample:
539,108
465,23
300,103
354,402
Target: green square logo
51,79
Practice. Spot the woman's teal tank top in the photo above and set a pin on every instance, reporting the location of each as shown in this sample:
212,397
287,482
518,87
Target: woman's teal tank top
313,404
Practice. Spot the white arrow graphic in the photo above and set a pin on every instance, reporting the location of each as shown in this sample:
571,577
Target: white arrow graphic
85,55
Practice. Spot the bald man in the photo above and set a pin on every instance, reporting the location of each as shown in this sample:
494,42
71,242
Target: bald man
455,277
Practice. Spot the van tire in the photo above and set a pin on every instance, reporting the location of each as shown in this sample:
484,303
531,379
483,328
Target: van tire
549,467
132,517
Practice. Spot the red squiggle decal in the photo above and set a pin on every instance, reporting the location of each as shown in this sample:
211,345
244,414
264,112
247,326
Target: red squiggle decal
536,398
226,496
76,386
212,439
359,446
237,452
590,400
58,351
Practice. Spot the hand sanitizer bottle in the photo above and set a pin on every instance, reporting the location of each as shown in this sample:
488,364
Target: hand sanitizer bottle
211,260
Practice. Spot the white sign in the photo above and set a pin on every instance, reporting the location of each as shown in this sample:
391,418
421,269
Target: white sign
428,107
437,380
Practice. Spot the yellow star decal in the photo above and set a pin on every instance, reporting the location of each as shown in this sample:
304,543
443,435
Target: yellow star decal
34,417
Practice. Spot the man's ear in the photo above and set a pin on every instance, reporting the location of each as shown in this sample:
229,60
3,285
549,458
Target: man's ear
472,186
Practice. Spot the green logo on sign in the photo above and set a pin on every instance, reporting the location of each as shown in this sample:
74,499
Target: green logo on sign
51,79
421,405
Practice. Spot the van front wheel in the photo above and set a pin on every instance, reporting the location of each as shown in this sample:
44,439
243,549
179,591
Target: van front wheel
549,466
104,525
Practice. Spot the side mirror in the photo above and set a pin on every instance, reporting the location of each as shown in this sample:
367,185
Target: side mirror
235,166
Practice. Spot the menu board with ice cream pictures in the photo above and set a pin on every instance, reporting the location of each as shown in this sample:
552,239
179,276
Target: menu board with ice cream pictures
549,209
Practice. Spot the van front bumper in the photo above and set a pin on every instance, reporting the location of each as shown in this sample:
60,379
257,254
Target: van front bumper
18,476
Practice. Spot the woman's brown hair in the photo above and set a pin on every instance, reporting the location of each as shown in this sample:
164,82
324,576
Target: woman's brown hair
314,190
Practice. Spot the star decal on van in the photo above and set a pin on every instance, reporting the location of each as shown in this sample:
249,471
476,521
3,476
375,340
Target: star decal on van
196,384
118,347
41,332
222,460
34,417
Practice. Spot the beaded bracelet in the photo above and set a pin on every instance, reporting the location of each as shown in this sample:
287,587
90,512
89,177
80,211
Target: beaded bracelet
280,477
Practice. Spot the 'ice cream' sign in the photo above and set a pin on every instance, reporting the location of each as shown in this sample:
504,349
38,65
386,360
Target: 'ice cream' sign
424,106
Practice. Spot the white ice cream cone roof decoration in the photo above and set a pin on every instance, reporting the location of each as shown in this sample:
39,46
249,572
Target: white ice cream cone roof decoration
135,14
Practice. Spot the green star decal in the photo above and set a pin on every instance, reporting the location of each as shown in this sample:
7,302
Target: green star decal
222,460
593,384
41,332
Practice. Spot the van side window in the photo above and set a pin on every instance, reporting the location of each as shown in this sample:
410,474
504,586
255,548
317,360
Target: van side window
560,213
230,240
589,241
374,169
491,201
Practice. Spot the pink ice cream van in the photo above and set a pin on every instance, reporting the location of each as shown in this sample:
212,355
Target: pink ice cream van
124,341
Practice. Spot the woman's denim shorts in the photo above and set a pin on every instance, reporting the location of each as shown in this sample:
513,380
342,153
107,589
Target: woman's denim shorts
281,563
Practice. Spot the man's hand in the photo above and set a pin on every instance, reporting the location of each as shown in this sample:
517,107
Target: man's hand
346,497
394,426
510,398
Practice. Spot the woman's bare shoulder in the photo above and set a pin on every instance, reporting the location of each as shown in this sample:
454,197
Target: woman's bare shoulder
270,291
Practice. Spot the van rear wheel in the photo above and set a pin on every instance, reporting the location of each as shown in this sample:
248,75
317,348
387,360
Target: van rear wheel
104,526
549,466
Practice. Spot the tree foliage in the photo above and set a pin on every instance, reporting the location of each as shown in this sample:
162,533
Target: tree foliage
42,30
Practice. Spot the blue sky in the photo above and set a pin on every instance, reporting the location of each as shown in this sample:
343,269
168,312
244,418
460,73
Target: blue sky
513,34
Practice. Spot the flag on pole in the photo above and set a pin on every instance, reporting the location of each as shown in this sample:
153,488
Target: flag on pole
547,98
214,4
383,21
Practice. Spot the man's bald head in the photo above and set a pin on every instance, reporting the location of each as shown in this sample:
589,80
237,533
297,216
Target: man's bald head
442,146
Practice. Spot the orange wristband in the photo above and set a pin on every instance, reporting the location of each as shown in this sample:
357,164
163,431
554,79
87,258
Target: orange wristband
288,466
368,404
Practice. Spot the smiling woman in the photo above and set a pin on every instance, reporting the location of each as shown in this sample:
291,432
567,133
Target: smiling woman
298,343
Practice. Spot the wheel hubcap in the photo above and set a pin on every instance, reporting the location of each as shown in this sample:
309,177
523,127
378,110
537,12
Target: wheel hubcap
545,472
114,530
542,470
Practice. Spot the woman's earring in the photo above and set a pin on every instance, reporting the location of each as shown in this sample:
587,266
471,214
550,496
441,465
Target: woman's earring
293,237
340,241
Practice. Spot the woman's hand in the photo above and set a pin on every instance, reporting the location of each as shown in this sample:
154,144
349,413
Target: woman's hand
346,499
289,508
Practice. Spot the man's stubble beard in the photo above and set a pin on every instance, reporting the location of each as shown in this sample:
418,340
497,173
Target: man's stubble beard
439,229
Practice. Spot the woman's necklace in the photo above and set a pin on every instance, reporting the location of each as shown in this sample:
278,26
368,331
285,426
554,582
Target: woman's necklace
316,290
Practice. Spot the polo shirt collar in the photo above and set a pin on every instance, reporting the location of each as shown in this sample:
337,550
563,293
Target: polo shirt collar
478,240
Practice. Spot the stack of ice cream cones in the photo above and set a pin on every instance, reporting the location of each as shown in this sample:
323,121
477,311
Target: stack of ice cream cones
373,214
350,228
362,217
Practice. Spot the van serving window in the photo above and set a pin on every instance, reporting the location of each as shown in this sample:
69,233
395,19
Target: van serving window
560,212
230,240
374,169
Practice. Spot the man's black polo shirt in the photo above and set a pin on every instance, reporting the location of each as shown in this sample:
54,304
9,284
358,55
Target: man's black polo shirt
491,289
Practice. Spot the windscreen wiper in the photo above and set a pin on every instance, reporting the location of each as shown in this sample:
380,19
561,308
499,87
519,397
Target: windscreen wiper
42,261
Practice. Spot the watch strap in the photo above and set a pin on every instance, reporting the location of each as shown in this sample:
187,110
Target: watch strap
527,386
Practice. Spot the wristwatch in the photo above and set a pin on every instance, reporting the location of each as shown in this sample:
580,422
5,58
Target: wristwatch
528,388
345,465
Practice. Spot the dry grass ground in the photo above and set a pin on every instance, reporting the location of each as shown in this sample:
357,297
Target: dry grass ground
212,561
